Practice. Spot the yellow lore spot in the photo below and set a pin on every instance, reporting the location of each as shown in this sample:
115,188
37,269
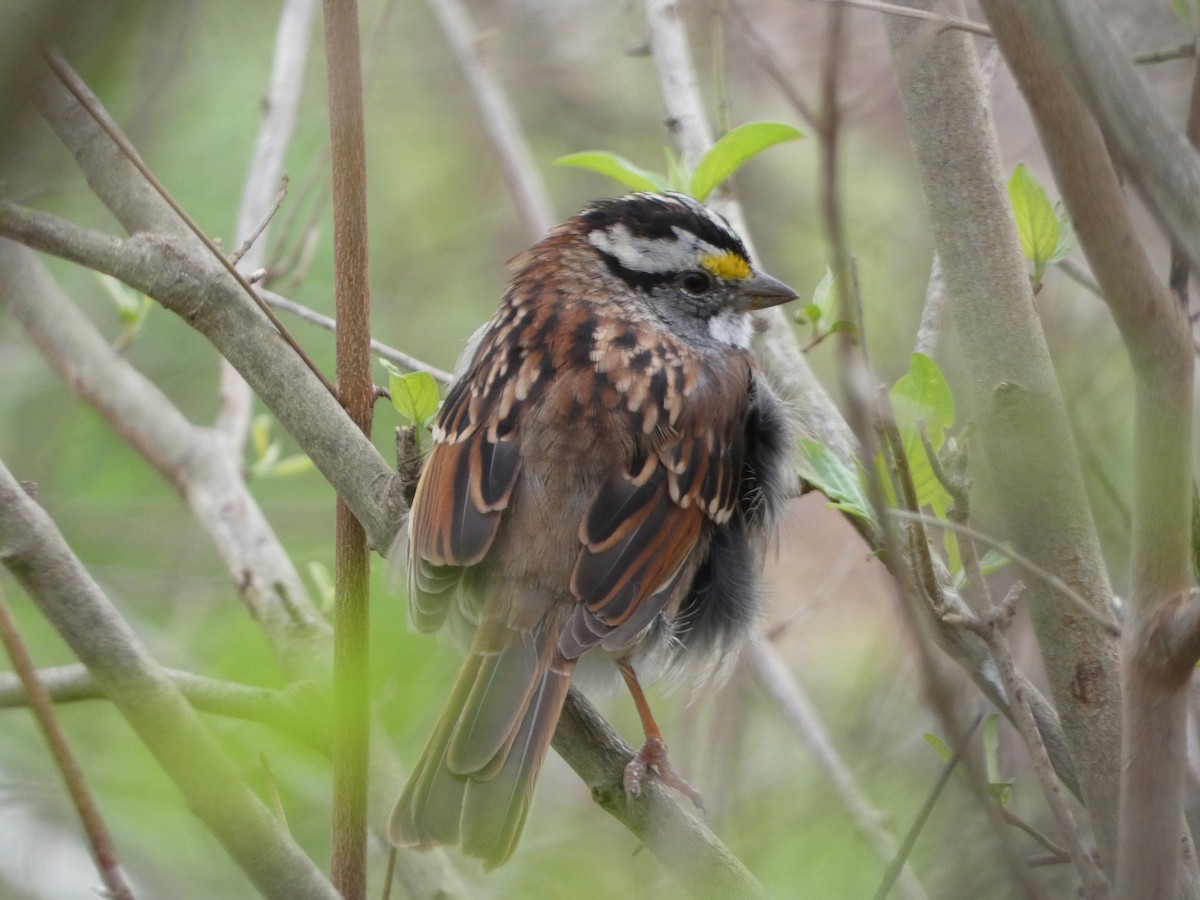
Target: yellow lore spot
728,265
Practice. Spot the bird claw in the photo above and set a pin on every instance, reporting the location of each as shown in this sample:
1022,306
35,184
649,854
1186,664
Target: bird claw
653,755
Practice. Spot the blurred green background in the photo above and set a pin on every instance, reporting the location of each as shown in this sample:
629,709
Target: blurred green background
186,79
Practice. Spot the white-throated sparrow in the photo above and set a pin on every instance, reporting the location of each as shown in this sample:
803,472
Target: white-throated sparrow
602,481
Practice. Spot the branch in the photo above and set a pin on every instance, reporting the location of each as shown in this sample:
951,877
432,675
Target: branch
296,711
499,119
1149,147
1160,644
200,465
191,285
260,199
103,849
391,354
34,551
1020,414
682,843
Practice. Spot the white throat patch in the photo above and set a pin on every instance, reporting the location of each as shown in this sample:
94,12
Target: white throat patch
733,328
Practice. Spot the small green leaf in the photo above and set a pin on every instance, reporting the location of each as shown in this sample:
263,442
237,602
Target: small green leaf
833,478
991,747
678,174
939,746
733,150
824,296
1001,792
993,561
616,167
1066,235
127,301
323,580
922,394
260,434
1037,223
414,395
289,466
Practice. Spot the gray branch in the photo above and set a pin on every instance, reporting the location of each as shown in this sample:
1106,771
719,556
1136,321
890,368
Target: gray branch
34,551
1022,421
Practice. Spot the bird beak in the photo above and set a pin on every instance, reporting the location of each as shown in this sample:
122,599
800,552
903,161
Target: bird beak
763,291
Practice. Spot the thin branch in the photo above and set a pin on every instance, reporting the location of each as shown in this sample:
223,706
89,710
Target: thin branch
1023,561
34,551
948,22
296,711
914,831
789,698
499,119
391,354
104,851
1094,882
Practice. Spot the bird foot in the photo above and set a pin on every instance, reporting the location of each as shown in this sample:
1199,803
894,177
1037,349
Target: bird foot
653,755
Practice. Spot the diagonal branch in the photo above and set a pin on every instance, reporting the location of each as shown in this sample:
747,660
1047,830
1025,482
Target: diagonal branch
34,551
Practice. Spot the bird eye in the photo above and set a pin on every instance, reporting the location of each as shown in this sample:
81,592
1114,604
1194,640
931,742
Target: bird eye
696,282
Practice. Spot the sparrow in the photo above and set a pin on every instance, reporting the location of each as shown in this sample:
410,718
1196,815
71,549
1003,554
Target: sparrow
603,482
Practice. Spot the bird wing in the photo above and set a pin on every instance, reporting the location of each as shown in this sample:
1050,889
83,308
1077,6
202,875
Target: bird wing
643,528
466,485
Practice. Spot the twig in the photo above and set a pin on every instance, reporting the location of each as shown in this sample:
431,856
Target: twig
947,22
257,208
910,838
187,283
104,851
1094,882
1023,561
789,698
391,354
293,711
254,235
499,119
766,57
1183,51
79,90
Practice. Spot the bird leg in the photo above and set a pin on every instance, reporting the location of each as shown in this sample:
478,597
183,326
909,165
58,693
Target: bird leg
653,754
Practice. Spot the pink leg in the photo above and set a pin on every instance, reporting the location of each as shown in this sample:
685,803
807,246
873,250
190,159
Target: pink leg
653,754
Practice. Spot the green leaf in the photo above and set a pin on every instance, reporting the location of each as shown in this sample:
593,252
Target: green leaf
678,174
833,478
824,296
939,746
1066,235
1037,222
289,466
991,747
993,561
414,395
323,580
616,167
733,150
127,301
922,395
260,434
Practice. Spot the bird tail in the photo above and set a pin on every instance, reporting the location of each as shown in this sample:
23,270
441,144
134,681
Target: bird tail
474,781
